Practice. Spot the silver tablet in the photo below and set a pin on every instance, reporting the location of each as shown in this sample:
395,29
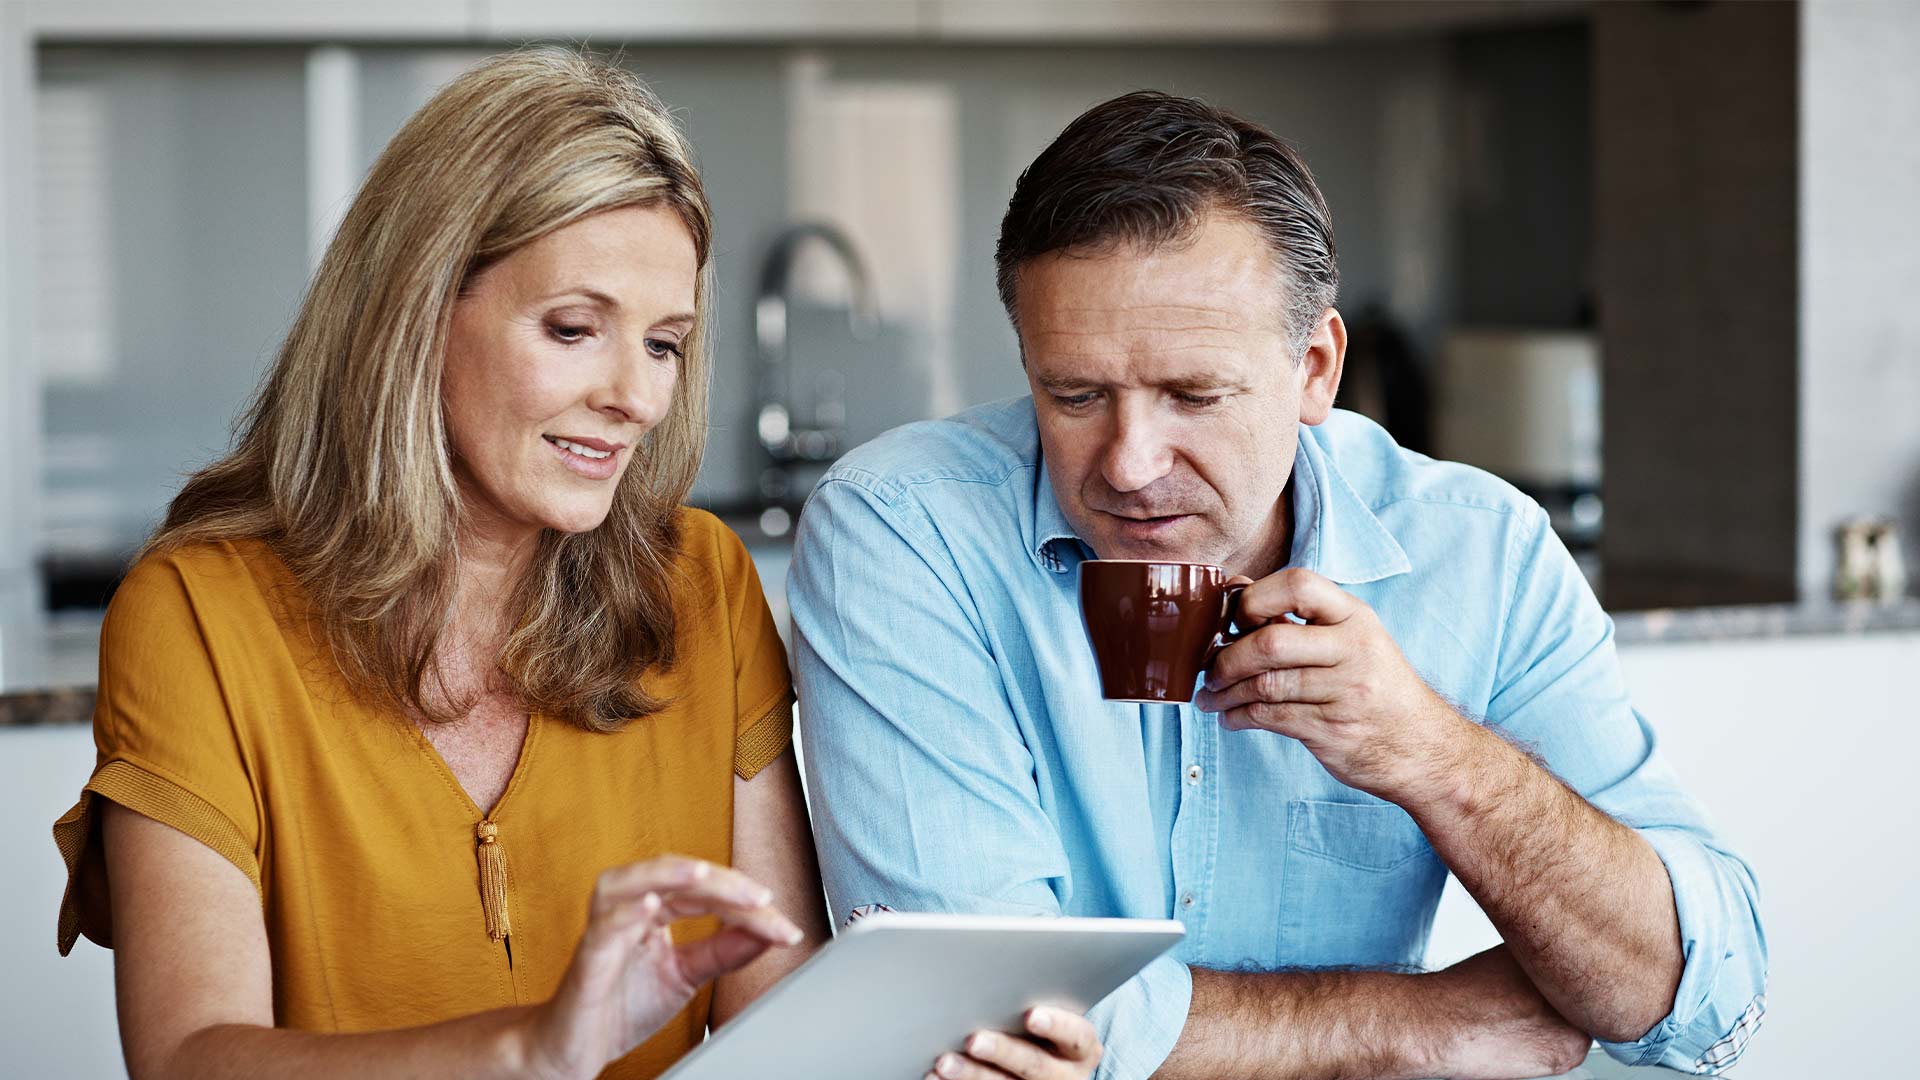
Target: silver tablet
894,991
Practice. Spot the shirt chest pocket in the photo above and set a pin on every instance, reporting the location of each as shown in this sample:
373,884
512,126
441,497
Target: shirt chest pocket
1358,887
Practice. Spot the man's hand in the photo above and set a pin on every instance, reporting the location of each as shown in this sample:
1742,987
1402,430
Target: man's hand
1061,1045
1338,684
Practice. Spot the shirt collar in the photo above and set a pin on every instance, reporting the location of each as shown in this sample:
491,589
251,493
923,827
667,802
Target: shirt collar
1335,535
1055,547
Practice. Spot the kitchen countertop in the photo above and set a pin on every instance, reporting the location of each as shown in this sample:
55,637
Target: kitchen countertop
47,672
1733,622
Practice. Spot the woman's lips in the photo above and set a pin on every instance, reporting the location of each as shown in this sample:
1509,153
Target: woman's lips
582,465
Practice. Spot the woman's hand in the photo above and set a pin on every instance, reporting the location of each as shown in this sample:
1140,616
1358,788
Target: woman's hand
1064,1046
628,977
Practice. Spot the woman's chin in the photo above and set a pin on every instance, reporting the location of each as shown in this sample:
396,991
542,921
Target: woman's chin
575,519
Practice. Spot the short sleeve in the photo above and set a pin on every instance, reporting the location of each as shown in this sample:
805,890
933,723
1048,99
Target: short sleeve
168,748
763,690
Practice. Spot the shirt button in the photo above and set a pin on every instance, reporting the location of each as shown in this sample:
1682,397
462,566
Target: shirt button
1193,774
1187,900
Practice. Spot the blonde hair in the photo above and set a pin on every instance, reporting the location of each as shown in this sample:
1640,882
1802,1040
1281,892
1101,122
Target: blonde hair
342,463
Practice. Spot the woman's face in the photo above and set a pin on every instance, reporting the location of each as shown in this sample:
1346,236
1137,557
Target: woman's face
561,356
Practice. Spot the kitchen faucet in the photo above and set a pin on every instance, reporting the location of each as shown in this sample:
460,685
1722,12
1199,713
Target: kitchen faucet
789,443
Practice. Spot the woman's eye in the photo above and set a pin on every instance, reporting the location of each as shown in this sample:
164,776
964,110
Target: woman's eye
569,335
662,348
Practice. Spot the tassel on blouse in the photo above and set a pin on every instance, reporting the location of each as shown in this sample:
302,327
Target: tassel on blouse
493,880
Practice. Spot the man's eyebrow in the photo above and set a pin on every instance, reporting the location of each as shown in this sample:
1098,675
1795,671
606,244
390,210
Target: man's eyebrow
1188,384
1058,383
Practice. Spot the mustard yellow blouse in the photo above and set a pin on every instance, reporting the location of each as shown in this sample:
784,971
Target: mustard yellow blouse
220,716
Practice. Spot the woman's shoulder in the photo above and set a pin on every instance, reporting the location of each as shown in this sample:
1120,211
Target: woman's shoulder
711,553
202,579
701,532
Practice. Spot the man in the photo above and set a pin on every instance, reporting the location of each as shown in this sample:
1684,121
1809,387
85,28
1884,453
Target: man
1446,697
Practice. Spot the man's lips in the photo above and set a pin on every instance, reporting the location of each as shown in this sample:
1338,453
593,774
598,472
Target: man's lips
1143,528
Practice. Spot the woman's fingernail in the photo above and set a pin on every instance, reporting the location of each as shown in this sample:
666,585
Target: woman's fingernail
980,1043
948,1065
794,935
1040,1021
763,897
701,870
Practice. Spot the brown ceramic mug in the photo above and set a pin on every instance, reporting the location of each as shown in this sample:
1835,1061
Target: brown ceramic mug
1155,626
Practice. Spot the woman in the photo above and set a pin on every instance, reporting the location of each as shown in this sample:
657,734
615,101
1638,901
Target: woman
411,696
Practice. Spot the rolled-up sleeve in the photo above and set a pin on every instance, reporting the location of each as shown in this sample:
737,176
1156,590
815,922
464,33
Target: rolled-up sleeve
1561,694
922,787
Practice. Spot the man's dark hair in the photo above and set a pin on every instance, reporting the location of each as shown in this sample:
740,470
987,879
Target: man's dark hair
1143,168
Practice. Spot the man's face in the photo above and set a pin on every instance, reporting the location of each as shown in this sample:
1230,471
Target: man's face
1168,403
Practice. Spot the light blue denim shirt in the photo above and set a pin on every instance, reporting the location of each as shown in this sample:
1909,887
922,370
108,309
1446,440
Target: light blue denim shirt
960,758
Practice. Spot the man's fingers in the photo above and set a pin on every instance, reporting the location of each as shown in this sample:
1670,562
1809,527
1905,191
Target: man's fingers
1298,592
1286,719
1310,685
1071,1034
1275,645
1015,1057
962,1067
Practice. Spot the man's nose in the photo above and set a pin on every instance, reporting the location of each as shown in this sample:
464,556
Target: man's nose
1137,451
635,390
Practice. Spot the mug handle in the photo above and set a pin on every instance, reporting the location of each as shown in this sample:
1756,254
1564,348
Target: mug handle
1230,629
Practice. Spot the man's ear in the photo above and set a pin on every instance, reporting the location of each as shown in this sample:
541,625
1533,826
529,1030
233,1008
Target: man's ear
1320,367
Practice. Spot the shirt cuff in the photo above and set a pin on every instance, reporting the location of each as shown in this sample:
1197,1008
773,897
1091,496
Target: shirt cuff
1715,1011
1141,1021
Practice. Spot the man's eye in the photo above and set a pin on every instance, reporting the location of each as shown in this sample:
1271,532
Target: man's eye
569,335
1200,401
661,349
1073,401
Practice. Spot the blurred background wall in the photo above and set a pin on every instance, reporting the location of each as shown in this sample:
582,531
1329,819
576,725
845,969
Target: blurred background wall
174,206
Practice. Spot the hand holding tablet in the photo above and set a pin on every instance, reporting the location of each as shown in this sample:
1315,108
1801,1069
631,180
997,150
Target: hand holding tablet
894,992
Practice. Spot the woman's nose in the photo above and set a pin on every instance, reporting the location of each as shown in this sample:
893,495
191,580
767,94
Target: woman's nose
638,390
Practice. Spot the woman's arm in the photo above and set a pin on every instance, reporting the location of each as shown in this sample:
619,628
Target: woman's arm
193,973
773,844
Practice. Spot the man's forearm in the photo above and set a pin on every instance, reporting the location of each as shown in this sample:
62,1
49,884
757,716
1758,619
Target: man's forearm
1584,902
1323,1024
1480,1018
